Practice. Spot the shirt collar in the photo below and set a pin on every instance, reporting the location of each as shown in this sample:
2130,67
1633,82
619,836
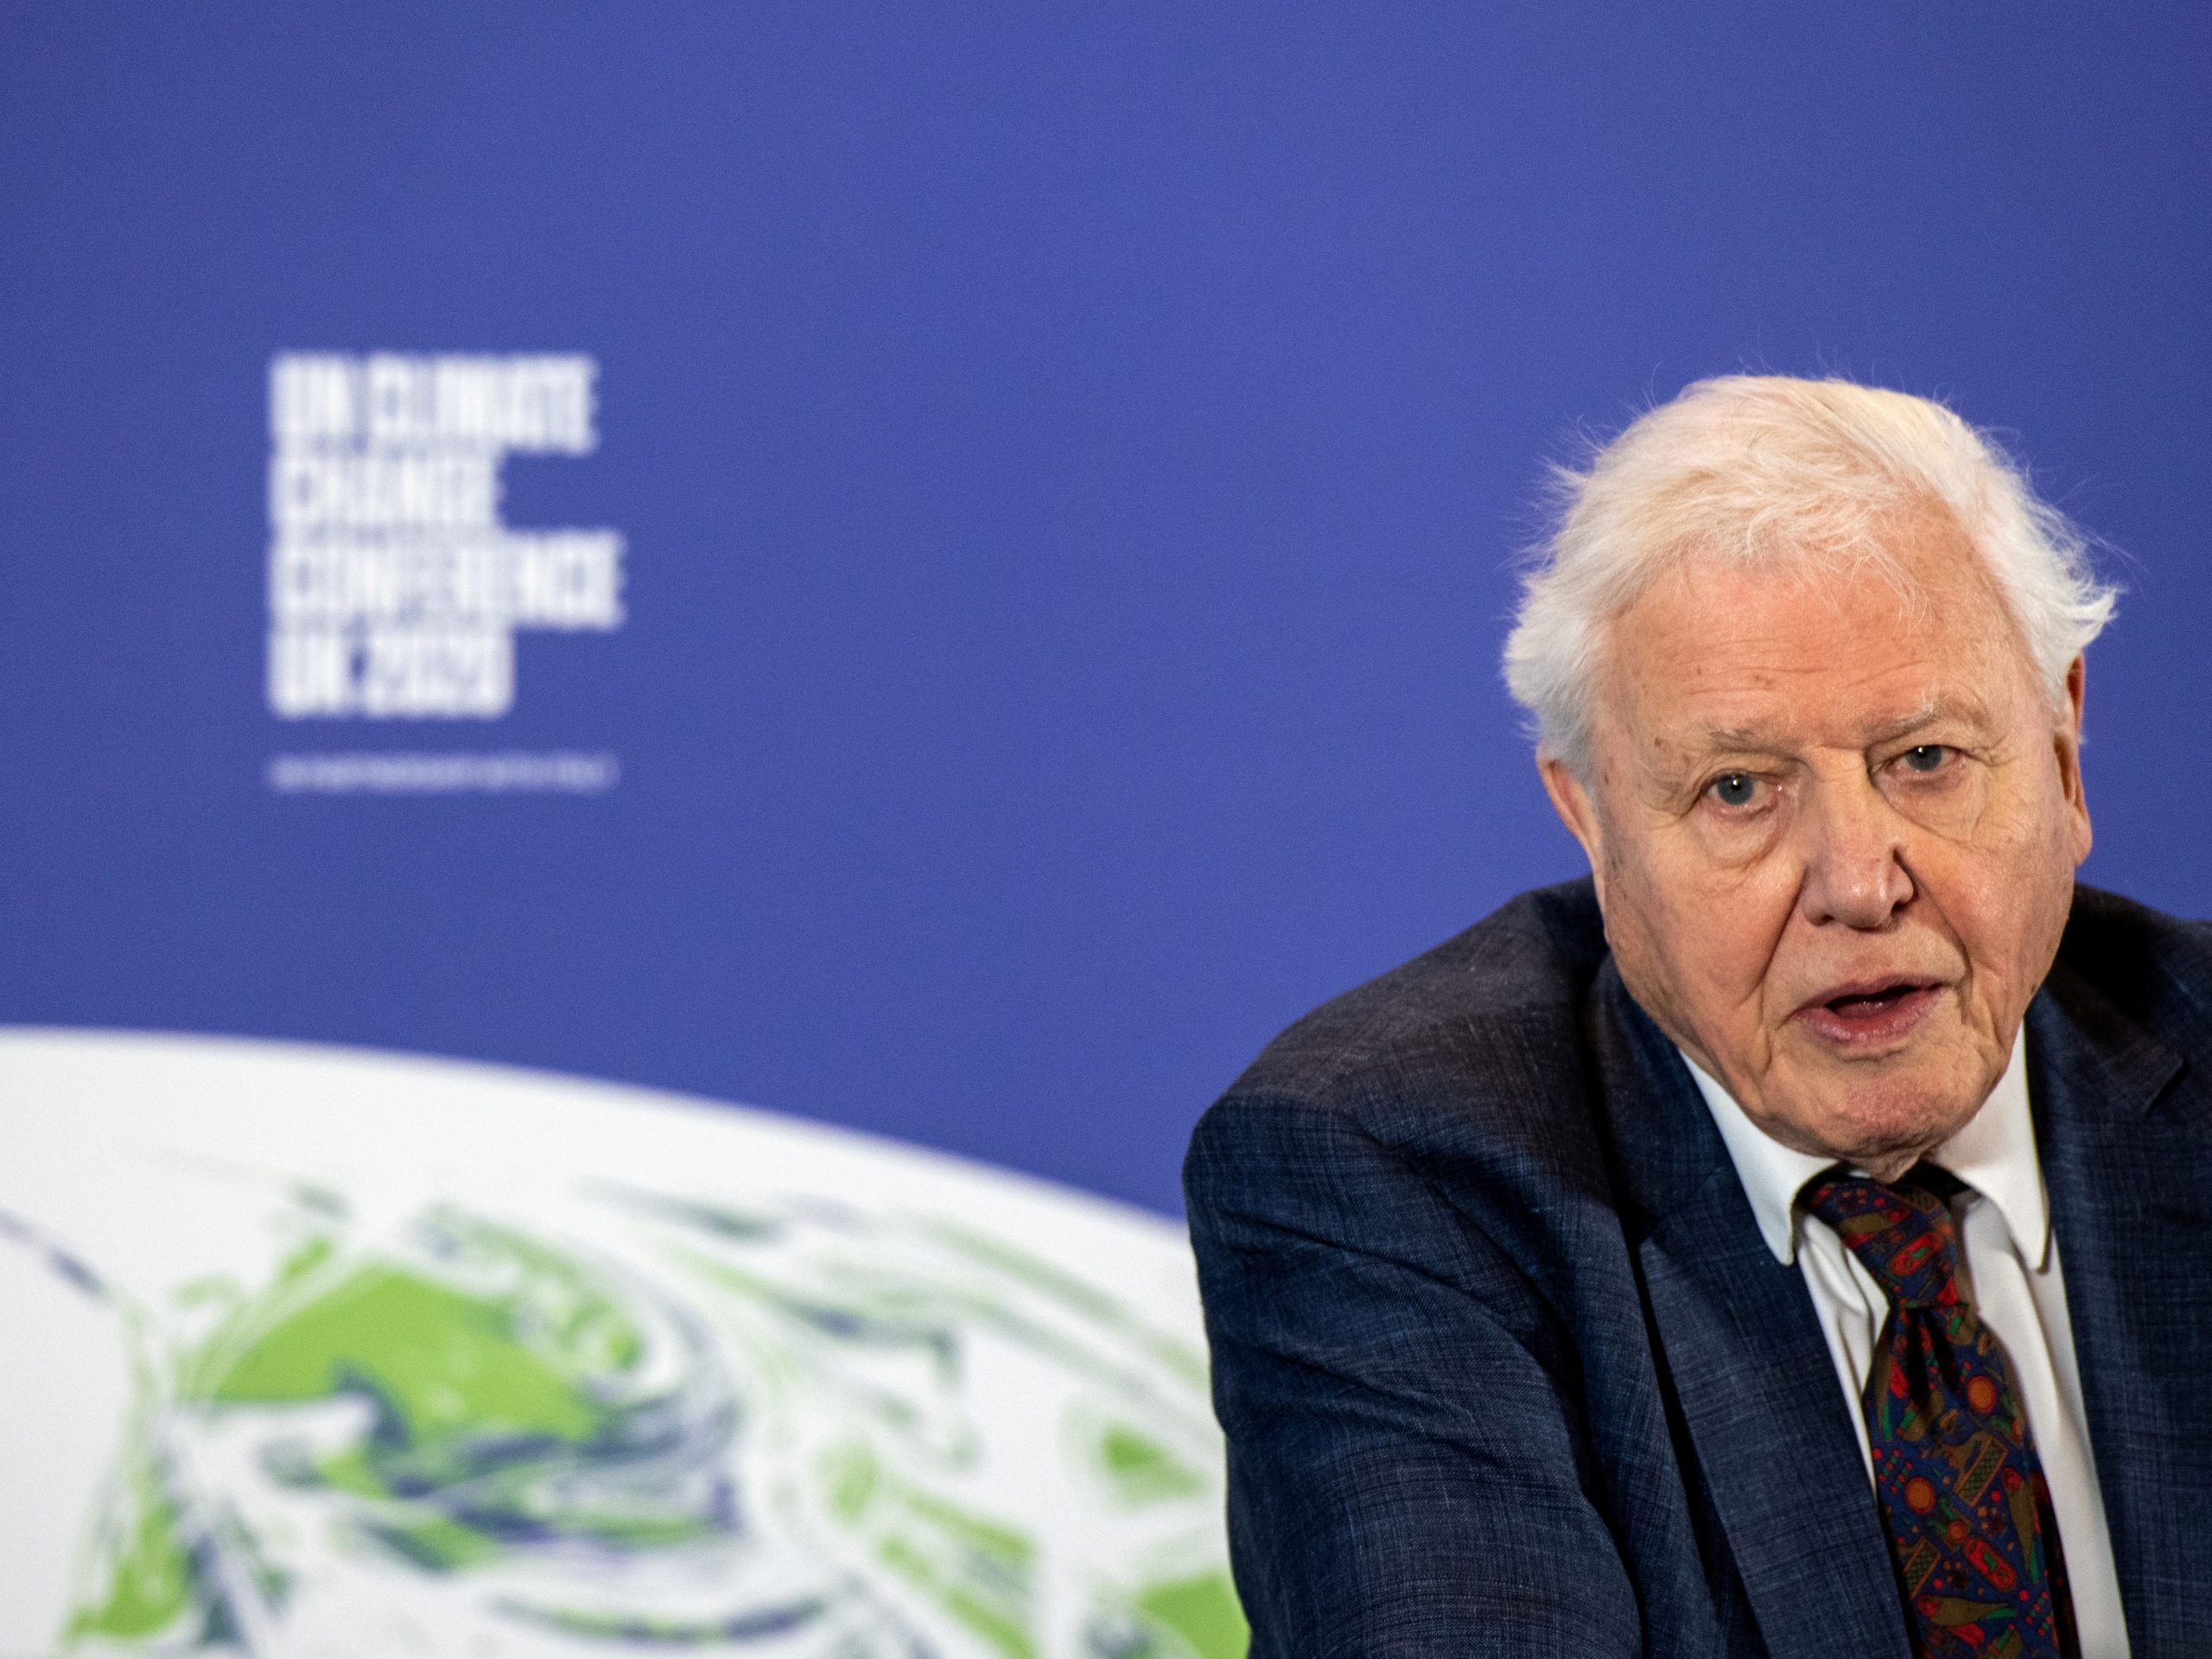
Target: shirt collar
1994,1152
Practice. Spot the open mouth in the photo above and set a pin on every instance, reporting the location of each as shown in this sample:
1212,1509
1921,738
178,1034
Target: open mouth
1860,1005
1871,1013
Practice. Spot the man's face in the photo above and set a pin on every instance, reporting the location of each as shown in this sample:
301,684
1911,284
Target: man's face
1834,835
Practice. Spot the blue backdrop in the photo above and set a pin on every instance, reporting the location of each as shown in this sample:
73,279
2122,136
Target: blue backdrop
1069,462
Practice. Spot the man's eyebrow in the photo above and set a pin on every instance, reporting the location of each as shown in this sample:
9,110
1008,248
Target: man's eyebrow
1770,738
1967,710
1732,739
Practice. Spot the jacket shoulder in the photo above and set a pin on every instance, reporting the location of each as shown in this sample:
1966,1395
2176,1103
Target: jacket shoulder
1527,968
1473,1056
2152,968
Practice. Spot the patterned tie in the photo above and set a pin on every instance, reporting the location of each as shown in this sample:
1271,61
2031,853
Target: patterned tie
1961,1494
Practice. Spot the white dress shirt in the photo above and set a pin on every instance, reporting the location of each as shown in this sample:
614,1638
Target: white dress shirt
2010,1276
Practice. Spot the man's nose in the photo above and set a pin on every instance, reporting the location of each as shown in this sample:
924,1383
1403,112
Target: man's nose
1854,857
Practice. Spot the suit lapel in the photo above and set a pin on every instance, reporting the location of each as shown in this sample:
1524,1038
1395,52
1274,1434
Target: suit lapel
2125,1133
1743,1354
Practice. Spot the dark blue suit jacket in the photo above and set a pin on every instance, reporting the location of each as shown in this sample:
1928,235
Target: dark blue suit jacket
1506,1369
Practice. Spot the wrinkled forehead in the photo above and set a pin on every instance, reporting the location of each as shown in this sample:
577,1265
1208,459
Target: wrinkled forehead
1718,654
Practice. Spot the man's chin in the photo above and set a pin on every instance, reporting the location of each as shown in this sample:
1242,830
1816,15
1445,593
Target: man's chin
1876,1122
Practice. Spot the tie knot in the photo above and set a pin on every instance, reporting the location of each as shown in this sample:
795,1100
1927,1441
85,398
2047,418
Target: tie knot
1903,1233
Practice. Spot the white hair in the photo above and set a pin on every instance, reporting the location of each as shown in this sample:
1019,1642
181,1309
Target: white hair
1768,471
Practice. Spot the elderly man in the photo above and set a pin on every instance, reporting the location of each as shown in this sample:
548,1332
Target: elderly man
1795,1238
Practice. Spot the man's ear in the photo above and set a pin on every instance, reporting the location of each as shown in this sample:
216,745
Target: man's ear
2067,740
1571,800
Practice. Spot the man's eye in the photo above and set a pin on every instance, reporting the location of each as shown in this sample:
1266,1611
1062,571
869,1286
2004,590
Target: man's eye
1734,788
1927,757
